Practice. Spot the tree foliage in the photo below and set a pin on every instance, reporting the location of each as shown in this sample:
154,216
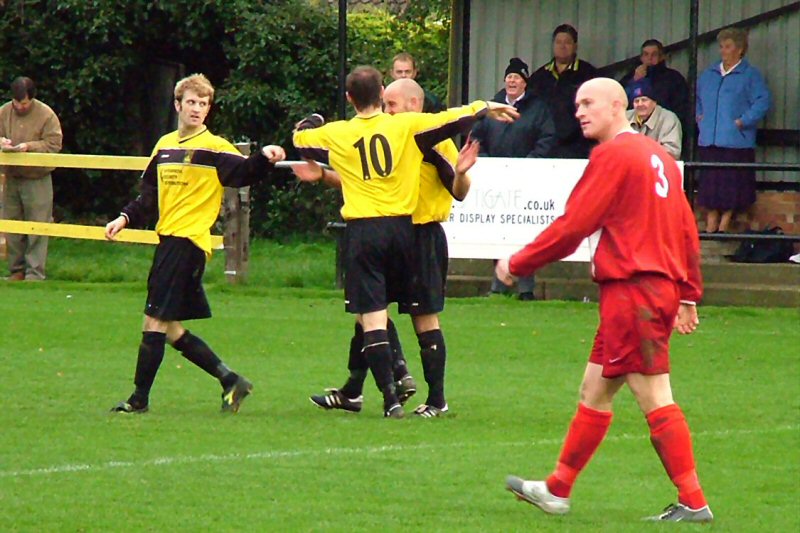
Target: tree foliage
272,62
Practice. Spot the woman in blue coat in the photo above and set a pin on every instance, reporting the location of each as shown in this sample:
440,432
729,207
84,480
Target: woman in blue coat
732,98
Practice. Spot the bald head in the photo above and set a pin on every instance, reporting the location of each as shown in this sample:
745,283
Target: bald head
403,95
610,89
600,108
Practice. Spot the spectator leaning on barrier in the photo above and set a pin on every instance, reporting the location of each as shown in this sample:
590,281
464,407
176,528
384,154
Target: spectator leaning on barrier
669,87
732,98
649,118
531,135
557,82
28,125
404,66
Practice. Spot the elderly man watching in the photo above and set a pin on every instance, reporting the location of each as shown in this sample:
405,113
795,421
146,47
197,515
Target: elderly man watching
652,120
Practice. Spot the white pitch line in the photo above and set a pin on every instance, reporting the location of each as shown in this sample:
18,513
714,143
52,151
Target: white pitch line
290,454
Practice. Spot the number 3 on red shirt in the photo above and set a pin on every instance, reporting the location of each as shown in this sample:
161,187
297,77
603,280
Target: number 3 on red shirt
662,185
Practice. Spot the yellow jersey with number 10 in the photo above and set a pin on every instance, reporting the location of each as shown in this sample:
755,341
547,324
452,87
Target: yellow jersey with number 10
378,157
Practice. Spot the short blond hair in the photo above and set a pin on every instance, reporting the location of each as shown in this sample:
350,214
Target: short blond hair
196,83
737,35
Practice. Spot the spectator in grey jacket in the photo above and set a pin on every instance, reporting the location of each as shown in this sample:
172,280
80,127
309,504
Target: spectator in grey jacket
531,135
649,118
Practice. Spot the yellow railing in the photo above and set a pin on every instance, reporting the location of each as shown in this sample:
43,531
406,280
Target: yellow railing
98,162
73,231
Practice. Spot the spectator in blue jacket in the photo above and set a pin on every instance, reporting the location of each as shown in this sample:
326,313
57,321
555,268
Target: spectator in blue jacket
732,98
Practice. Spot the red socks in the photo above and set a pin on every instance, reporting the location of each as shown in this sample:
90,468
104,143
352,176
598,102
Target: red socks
670,436
586,432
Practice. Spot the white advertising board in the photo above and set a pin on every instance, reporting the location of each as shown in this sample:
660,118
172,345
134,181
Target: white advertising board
510,202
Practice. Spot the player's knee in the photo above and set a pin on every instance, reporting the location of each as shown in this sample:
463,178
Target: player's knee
155,324
425,323
597,394
596,399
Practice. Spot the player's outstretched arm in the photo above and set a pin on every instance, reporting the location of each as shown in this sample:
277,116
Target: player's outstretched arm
502,112
115,226
686,320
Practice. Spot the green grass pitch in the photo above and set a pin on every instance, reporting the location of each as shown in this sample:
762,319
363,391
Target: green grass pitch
68,351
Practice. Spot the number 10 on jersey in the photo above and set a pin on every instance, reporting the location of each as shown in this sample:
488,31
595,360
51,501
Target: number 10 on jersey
371,162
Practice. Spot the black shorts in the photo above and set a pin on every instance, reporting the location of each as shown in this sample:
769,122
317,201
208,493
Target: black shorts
377,262
174,286
426,296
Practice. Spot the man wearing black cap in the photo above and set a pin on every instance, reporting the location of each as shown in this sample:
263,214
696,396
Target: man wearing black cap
557,83
531,135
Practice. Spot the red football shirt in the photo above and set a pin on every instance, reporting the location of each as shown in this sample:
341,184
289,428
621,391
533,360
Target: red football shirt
631,205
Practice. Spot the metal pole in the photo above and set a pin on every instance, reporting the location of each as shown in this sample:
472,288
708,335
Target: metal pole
691,125
342,57
465,53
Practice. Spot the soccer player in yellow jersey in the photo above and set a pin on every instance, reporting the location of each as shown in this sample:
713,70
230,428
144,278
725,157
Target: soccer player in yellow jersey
183,184
380,188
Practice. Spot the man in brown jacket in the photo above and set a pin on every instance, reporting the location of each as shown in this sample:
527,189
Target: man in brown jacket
28,125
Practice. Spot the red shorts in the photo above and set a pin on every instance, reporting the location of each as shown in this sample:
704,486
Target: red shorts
636,319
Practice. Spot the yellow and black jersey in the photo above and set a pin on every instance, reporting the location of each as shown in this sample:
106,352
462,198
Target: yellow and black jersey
378,157
185,176
436,177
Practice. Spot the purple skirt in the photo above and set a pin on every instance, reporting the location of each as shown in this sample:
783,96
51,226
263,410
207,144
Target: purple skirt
727,188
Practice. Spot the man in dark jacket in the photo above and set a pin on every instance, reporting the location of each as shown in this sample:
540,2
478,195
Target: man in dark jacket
531,135
557,83
669,86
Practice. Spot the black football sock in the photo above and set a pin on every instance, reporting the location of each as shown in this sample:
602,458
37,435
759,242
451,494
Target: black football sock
379,355
151,353
357,364
434,355
399,368
198,352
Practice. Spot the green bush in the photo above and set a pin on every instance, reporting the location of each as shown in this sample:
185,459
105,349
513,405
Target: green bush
94,62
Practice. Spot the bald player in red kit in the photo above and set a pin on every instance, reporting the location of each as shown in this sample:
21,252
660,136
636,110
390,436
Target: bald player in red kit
630,204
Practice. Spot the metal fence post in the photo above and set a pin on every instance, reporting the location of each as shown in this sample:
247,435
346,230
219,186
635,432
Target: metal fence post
3,248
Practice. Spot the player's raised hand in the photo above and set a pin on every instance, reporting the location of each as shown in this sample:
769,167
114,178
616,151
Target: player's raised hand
686,320
467,155
502,112
308,171
274,153
502,272
115,226
314,120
